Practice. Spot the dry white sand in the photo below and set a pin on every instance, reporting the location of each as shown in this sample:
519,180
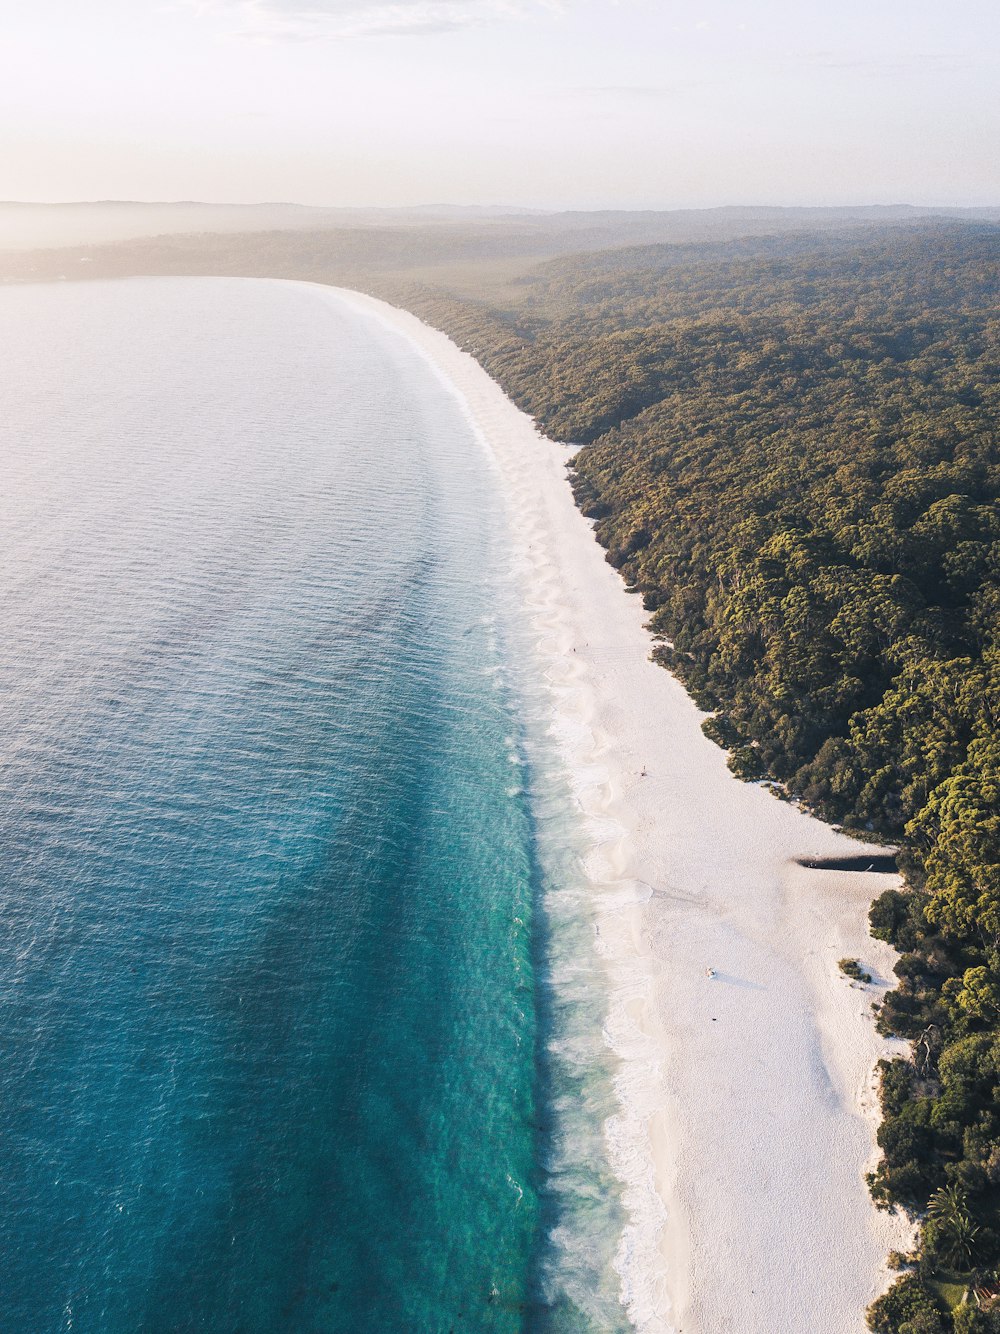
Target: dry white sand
748,1113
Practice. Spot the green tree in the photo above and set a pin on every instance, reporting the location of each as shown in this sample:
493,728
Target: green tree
949,1233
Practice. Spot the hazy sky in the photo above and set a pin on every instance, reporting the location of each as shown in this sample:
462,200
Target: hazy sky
578,103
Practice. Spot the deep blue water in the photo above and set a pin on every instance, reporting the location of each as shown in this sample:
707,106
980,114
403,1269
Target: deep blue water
278,1008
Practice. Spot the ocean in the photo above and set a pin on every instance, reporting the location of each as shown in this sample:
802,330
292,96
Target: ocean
300,1012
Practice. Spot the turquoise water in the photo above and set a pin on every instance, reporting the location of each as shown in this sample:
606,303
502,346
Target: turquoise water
286,870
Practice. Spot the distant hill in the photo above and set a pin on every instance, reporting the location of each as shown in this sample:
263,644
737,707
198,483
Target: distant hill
26,226
30,226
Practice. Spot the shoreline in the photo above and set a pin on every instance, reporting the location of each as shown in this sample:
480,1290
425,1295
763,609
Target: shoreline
747,1107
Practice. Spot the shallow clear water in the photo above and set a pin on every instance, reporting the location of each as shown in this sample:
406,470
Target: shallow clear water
287,877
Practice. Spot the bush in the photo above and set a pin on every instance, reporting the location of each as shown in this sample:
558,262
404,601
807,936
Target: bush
889,915
927,1322
720,729
970,1320
852,969
746,763
905,1302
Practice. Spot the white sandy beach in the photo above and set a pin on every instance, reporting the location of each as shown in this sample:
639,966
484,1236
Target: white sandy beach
748,1112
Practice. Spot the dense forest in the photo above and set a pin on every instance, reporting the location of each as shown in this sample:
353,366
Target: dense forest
791,450
790,447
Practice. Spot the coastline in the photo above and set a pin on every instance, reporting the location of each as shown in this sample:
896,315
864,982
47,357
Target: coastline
747,1108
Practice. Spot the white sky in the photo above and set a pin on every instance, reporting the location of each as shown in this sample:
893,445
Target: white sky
549,103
